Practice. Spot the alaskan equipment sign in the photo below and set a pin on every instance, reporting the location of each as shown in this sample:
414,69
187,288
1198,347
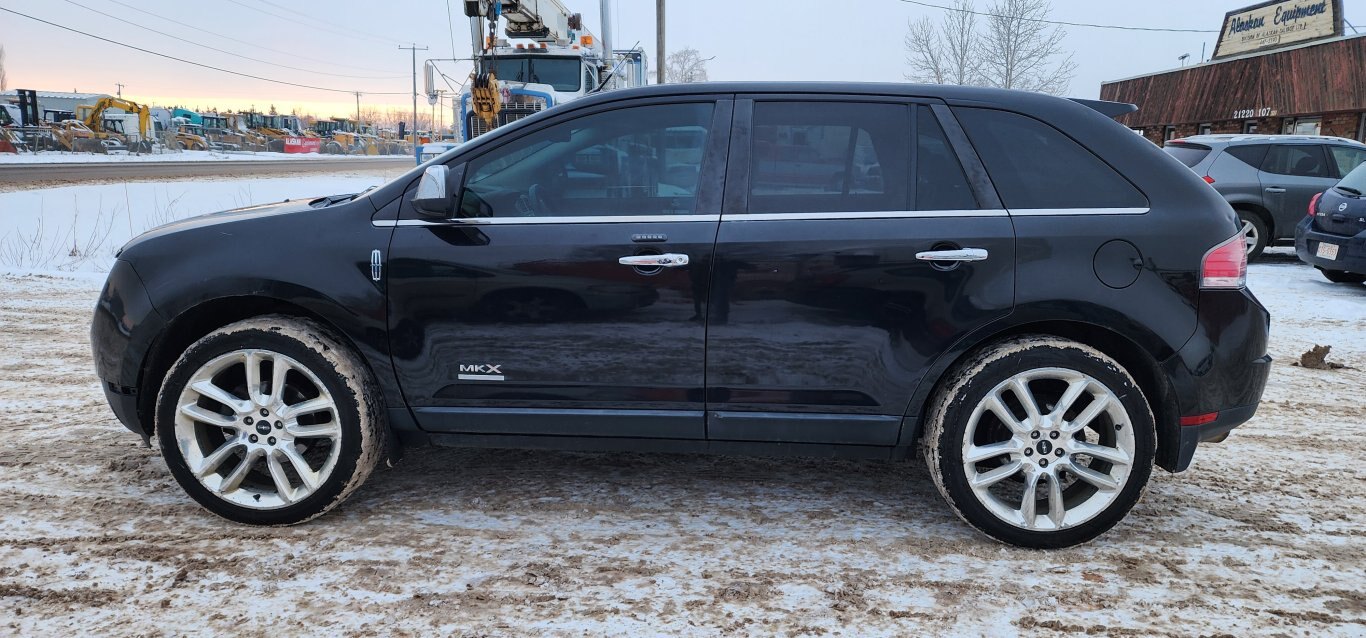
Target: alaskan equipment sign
1276,24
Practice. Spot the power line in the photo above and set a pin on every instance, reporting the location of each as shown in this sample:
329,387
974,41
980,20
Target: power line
1058,22
311,25
234,54
190,62
450,26
315,18
238,40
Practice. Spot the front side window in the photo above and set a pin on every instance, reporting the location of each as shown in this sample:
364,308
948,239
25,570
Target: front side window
643,160
1035,166
829,157
1302,160
1347,158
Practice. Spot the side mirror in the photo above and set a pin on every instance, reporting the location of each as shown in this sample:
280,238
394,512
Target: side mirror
433,197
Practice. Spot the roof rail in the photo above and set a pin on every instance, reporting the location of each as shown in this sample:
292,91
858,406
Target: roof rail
1108,109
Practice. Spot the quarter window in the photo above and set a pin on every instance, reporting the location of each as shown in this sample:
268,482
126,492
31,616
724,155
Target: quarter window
1033,165
1347,158
829,157
1251,154
643,160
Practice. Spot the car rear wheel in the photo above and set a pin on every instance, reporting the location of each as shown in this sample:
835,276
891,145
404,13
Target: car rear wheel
1255,233
1342,276
1040,442
269,421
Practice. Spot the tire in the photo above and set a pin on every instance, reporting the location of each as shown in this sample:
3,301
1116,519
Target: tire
339,442
1256,233
1342,276
1123,429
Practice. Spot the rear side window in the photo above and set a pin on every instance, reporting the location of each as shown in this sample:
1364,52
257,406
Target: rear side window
829,157
1346,158
1188,154
1303,160
940,183
1356,179
1033,165
1252,154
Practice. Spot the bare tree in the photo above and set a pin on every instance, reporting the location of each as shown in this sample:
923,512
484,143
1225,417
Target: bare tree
4,79
686,65
944,53
1012,49
1019,51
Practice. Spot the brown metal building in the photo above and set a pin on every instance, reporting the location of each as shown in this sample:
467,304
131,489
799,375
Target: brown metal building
1317,88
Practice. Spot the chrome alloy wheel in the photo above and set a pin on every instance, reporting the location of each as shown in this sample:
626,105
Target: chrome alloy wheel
1063,439
1250,236
258,429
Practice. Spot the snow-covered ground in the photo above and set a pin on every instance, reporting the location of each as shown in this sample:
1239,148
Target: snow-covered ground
78,228
63,157
1265,535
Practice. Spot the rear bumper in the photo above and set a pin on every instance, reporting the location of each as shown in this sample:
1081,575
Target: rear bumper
1351,249
1222,369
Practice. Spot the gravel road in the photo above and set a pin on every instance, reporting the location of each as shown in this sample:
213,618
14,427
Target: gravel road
1266,535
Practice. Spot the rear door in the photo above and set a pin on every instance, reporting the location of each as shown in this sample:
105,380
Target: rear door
564,297
825,310
1291,175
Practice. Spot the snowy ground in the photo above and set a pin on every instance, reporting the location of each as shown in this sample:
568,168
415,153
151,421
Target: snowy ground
63,157
1264,536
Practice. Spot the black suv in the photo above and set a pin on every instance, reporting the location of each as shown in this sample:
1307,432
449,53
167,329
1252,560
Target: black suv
1042,302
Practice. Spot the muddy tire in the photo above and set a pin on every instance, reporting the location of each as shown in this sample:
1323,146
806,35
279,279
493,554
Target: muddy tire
1040,442
270,421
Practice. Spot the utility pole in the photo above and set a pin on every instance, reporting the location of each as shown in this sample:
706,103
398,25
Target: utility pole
417,148
120,91
358,107
659,41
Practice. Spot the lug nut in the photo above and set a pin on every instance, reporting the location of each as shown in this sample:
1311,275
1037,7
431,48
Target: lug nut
265,412
248,420
1043,462
252,438
1034,435
1059,452
1119,426
279,425
271,440
1052,435
1029,451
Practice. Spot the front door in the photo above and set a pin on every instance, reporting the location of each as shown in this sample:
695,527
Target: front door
565,297
827,301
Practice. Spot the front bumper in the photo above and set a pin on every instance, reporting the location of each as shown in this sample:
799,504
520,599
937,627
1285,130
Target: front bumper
1351,249
1222,369
121,334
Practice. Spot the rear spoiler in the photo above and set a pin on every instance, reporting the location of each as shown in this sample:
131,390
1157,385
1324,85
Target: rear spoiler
1108,109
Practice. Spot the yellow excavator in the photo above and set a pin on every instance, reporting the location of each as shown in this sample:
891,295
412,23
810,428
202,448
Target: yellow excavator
132,129
347,137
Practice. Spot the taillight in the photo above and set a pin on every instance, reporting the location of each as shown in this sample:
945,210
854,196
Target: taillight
1314,203
1208,179
1225,265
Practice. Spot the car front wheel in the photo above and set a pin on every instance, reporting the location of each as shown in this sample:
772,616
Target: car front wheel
1040,442
269,421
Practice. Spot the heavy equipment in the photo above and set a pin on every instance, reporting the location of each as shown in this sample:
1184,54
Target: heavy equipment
562,62
126,122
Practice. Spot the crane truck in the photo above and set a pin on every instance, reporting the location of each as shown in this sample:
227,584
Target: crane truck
555,60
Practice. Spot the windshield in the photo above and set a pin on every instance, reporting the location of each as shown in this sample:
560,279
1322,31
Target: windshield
562,74
1355,180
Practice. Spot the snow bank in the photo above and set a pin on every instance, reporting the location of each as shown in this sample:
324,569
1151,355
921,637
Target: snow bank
63,157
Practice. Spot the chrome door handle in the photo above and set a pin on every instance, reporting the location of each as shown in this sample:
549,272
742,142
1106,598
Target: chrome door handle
667,260
1275,189
960,254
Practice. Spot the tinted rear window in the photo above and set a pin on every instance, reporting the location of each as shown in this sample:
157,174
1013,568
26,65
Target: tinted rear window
1304,160
1188,154
1034,165
940,183
1355,179
1252,154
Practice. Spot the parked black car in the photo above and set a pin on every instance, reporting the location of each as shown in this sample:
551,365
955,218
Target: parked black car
1042,302
1332,237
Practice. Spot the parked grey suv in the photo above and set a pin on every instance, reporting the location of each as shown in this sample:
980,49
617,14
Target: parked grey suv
1268,179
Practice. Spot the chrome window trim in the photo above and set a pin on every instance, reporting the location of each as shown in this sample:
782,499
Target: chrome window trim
518,221
1045,212
886,214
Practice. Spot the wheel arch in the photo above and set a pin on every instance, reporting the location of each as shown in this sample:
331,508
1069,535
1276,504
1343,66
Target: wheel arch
1260,211
1130,354
194,322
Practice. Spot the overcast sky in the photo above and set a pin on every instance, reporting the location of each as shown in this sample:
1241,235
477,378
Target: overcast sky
767,40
